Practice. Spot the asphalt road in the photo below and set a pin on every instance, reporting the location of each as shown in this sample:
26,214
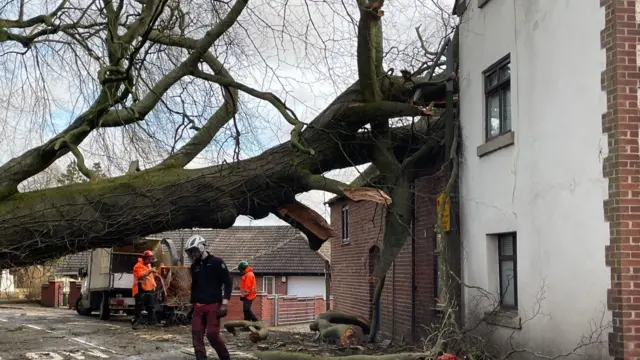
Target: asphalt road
57,334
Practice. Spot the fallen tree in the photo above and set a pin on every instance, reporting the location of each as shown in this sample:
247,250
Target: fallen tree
282,355
36,226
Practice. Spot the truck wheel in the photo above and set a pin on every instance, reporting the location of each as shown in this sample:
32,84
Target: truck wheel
105,312
81,310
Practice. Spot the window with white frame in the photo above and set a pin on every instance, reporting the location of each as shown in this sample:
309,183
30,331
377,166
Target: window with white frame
269,285
497,92
508,272
344,223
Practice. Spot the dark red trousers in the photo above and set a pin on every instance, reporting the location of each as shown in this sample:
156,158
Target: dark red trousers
205,322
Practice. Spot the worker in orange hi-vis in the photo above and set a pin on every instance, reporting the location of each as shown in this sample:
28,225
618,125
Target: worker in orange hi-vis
248,291
143,290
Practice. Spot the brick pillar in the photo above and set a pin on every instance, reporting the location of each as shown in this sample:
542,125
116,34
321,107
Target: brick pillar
622,209
74,293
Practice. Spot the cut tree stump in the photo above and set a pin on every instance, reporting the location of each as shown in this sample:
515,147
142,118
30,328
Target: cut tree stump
257,330
347,330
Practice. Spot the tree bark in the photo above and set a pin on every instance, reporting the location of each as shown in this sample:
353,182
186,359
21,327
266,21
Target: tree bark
41,225
282,355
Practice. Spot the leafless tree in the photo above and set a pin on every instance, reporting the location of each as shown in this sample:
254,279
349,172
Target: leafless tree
152,81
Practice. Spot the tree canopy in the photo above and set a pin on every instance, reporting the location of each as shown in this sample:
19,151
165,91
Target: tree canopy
155,84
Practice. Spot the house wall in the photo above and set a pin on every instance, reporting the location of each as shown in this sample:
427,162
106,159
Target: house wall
549,185
350,267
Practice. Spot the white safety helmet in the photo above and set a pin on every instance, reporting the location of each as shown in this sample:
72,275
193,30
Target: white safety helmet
196,241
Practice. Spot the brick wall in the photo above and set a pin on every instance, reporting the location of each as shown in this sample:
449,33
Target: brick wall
622,209
51,294
74,293
350,267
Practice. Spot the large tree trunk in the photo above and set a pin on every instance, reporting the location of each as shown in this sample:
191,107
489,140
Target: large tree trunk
46,224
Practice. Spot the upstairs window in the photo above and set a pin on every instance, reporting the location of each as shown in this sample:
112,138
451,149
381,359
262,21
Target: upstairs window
344,223
497,92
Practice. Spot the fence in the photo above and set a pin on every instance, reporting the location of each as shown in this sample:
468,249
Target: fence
280,310
290,310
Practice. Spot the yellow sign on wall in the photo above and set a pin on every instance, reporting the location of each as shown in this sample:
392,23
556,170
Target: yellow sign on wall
445,216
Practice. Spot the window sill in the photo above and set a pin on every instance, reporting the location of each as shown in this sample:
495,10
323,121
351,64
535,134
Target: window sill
482,3
504,318
497,143
346,242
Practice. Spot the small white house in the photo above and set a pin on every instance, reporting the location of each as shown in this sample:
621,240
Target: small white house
533,194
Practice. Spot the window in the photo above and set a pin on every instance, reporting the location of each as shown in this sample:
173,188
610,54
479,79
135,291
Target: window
269,285
507,268
344,222
497,91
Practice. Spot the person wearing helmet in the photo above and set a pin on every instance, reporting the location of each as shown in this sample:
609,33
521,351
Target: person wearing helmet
211,286
144,286
247,290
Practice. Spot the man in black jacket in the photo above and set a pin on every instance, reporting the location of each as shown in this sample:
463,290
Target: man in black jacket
209,275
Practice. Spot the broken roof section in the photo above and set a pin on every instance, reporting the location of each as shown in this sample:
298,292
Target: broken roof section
367,178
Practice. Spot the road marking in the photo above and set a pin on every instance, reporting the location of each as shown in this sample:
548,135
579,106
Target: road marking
93,345
38,328
5,320
46,355
76,354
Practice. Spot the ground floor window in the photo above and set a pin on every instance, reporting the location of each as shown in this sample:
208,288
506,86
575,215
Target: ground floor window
507,265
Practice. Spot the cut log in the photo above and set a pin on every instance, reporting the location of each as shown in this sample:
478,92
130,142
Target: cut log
282,355
257,330
343,334
335,317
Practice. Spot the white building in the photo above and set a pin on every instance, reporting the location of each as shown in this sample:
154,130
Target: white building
531,180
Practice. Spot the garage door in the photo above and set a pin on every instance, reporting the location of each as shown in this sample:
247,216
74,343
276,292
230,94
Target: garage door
305,286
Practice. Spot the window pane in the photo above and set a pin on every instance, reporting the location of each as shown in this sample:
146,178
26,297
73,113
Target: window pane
492,79
506,109
268,285
505,72
506,245
507,283
493,116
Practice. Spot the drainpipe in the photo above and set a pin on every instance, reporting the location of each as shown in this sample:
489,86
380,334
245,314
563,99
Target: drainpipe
393,302
413,261
327,285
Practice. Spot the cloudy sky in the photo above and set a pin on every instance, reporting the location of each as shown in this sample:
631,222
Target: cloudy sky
301,50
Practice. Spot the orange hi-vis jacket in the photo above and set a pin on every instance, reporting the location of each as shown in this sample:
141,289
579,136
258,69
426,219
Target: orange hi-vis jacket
248,284
148,282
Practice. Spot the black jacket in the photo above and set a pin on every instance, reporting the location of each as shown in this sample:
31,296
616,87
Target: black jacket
208,277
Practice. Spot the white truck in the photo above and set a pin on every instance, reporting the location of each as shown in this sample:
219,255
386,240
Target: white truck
108,278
